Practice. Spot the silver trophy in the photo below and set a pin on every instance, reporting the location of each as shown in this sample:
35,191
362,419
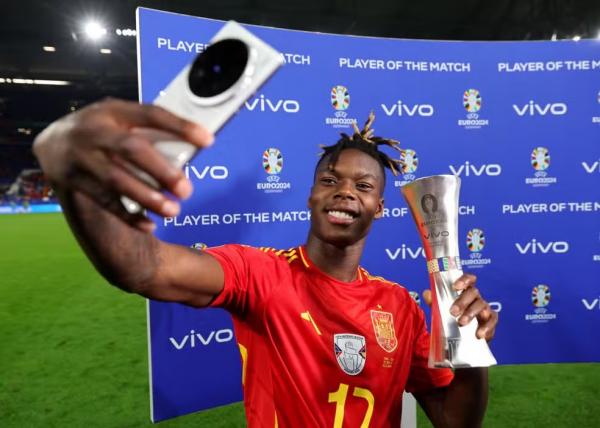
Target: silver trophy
433,202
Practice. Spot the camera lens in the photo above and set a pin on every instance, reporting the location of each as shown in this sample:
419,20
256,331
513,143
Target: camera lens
218,68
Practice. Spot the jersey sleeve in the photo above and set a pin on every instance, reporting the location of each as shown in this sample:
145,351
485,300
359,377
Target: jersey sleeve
421,377
249,278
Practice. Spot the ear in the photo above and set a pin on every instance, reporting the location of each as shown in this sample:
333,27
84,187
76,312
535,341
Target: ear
309,201
379,212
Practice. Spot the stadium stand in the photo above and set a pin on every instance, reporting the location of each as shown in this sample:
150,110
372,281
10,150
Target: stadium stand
23,187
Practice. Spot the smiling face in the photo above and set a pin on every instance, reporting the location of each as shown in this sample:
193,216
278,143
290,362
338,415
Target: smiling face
345,200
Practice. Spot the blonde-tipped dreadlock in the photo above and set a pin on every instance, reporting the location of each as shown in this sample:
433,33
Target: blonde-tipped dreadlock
364,141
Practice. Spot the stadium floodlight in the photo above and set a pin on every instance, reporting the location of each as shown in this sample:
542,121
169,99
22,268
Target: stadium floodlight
51,82
94,30
49,49
126,32
23,81
576,38
105,51
20,81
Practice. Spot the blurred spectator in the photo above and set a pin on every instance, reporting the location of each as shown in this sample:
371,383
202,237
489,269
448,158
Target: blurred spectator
22,183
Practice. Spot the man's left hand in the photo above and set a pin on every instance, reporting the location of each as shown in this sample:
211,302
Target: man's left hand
471,305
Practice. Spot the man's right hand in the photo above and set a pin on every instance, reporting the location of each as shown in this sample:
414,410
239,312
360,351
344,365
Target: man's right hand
92,151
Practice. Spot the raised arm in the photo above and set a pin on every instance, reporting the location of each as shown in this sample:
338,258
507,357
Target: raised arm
463,403
87,156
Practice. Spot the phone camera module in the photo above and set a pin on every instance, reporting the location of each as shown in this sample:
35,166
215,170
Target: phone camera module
218,68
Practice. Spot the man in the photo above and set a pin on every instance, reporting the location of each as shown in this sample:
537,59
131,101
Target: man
429,204
323,343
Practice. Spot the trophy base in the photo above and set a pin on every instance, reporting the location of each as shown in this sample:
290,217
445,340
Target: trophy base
453,345
464,353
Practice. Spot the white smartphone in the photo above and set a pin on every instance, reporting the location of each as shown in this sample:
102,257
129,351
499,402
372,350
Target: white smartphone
213,88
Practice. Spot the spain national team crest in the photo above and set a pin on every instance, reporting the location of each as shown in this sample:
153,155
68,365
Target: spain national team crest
350,352
383,324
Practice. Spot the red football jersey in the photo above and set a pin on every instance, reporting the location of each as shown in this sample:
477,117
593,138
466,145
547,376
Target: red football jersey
318,352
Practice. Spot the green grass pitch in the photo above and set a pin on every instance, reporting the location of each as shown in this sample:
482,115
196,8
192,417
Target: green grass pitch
73,350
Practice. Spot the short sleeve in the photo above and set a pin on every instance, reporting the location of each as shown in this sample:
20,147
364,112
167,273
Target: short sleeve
249,277
421,377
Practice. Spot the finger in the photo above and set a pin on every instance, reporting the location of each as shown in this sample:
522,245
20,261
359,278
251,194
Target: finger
472,311
427,297
487,328
114,179
92,189
466,298
486,314
465,281
157,117
140,152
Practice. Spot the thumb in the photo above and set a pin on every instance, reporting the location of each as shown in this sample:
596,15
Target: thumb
427,297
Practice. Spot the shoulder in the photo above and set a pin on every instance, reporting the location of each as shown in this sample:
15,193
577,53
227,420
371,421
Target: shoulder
250,254
290,255
388,286
379,281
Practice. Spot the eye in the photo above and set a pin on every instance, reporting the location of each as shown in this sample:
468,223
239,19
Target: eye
327,181
363,186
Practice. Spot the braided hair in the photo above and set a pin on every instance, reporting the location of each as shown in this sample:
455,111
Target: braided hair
364,141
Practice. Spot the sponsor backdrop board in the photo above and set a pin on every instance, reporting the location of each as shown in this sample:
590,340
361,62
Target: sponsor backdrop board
519,122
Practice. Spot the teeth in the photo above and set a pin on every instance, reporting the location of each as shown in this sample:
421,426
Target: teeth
340,214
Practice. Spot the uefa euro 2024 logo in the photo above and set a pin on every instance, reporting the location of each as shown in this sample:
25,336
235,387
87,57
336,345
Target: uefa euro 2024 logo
272,162
540,296
475,240
415,296
409,162
475,243
540,159
340,98
596,119
472,101
340,101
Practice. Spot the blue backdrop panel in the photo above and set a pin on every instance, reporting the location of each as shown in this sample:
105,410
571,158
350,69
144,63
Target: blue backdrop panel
518,122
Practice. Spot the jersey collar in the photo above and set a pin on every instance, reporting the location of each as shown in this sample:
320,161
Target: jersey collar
308,264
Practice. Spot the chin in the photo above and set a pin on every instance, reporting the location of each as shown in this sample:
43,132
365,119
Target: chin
340,240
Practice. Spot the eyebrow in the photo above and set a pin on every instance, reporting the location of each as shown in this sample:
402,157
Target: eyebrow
359,175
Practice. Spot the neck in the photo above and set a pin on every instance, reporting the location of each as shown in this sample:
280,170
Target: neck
340,263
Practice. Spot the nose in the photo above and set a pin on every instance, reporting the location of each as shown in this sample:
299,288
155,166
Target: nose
345,190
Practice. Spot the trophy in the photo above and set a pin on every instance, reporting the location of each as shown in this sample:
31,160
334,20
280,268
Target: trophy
433,202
